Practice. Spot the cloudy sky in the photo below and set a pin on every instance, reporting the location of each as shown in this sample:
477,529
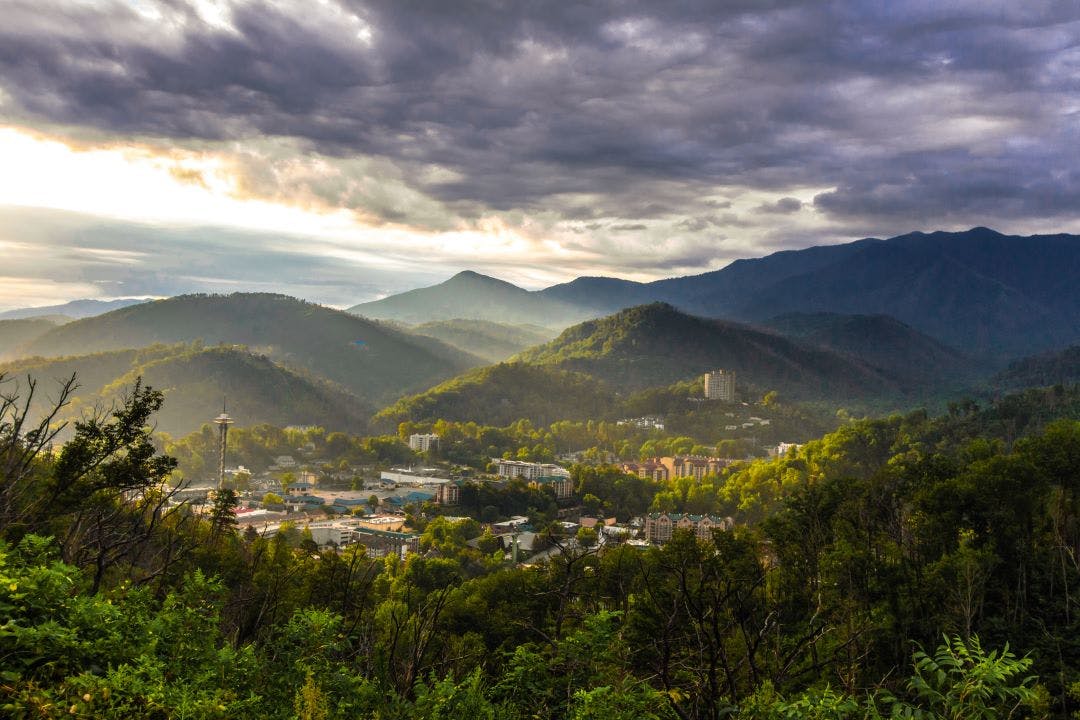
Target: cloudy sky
341,149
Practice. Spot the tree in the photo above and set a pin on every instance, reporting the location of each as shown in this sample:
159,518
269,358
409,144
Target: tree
105,493
223,512
587,537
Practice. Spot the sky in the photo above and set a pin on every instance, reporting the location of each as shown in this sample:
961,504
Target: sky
340,150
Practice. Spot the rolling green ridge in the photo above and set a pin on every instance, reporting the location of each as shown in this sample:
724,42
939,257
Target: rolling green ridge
195,380
1056,368
500,394
371,360
915,359
491,341
655,345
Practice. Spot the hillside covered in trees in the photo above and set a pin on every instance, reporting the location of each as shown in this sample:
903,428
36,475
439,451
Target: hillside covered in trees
656,345
195,380
373,361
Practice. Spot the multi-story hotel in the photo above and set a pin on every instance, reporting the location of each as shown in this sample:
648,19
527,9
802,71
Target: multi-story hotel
537,475
660,526
720,385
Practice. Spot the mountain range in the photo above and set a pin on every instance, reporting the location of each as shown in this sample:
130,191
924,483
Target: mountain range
878,323
996,296
71,310
375,362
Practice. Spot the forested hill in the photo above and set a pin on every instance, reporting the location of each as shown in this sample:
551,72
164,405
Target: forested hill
195,381
503,393
1055,368
655,345
373,361
913,358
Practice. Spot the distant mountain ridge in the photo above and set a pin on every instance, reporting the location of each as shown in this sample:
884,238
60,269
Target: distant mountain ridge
373,361
470,295
74,309
492,341
996,296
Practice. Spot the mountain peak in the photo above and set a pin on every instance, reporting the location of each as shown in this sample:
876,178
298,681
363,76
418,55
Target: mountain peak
471,277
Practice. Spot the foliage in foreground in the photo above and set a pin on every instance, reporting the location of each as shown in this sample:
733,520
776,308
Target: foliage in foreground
852,552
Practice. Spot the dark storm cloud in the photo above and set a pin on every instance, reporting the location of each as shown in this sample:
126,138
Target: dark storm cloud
910,110
782,206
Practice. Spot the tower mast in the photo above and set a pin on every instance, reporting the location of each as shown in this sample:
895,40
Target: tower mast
223,421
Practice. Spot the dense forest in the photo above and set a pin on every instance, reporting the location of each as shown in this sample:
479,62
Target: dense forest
910,566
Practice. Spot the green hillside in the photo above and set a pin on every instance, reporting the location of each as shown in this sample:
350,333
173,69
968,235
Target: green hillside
913,358
489,340
655,345
372,360
1056,368
16,333
195,380
503,393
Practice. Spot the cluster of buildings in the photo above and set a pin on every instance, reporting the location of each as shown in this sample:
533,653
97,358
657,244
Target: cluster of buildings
646,422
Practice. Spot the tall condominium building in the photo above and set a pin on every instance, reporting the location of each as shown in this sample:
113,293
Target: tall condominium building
424,442
720,385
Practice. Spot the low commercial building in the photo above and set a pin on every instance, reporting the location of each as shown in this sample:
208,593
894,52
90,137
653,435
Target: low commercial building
422,476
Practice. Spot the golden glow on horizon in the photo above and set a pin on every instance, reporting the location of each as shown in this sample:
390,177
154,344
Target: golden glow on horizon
133,182
141,183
